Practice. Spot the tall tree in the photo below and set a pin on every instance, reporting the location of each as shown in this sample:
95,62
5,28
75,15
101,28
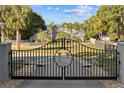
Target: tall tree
52,29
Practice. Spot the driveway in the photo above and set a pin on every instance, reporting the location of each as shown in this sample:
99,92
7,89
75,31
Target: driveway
61,84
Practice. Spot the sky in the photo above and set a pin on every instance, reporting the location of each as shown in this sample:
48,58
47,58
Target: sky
65,13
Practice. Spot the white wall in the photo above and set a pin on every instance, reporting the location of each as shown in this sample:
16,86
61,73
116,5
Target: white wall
92,40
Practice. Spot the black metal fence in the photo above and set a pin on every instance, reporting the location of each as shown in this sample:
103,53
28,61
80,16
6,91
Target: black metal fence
64,59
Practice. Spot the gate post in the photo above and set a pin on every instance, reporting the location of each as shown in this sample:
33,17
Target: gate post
5,49
120,62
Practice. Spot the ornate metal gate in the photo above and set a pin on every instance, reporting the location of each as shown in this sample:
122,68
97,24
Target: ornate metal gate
64,59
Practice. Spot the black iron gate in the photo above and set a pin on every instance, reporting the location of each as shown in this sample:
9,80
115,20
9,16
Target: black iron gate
64,59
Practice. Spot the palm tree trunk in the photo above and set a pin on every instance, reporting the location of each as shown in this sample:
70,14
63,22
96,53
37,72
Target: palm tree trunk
121,37
2,36
17,40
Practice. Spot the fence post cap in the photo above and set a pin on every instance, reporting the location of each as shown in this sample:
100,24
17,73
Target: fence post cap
120,43
4,43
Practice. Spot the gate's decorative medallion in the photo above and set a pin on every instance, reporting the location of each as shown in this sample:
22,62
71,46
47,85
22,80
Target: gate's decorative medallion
63,57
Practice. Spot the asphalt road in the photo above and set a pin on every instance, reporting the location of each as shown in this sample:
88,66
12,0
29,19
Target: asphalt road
61,84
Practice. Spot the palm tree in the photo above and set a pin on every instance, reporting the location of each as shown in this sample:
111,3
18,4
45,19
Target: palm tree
19,20
52,30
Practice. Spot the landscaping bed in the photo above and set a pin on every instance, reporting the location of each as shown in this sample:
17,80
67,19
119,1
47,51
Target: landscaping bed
12,84
111,84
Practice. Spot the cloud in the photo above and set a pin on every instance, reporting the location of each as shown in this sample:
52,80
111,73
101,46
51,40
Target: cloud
50,8
57,8
80,10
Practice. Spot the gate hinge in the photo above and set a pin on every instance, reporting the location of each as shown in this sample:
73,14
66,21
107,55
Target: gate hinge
118,53
117,75
119,62
9,75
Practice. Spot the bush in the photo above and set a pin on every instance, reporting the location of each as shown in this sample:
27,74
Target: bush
90,34
113,36
44,37
62,35
77,39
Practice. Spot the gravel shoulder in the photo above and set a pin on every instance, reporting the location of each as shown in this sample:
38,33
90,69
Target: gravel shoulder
111,84
12,84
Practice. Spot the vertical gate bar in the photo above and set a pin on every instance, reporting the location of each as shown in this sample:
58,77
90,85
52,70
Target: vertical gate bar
50,58
108,65
105,64
13,59
101,62
40,67
22,63
91,63
86,62
11,63
30,62
33,62
16,56
39,63
90,56
47,60
15,70
25,54
66,43
116,63
27,63
62,73
102,67
44,60
111,58
53,56
19,64
112,61
110,54
72,58
23,59
100,73
107,61
27,67
76,59
59,43
36,62
83,60
11,56
114,58
79,58
96,69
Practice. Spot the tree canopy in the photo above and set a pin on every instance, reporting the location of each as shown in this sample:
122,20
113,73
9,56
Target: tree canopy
20,21
109,18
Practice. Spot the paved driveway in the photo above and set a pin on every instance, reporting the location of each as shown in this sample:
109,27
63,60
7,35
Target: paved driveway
61,84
